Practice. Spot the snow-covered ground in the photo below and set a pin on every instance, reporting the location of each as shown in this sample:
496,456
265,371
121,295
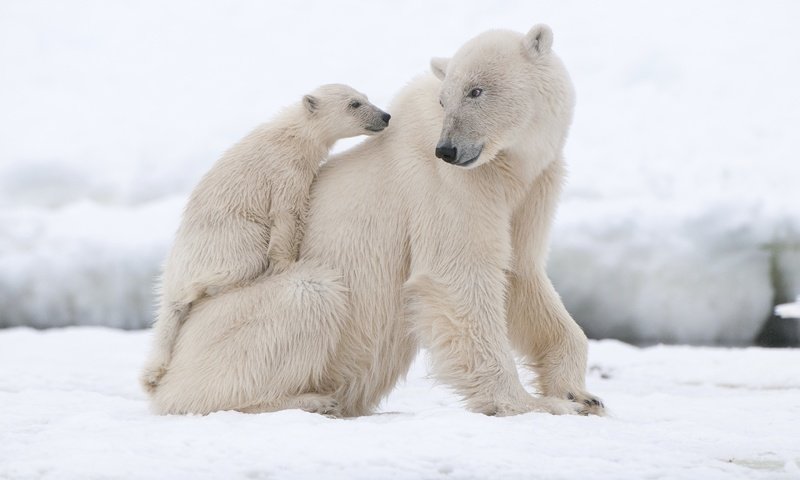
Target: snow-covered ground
680,221
71,409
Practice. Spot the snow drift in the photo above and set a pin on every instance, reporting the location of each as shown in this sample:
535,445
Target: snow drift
680,219
789,310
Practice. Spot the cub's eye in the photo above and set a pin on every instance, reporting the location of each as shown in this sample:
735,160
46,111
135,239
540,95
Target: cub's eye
475,92
441,103
355,104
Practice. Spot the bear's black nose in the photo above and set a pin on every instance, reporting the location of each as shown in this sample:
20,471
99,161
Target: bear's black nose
386,118
446,152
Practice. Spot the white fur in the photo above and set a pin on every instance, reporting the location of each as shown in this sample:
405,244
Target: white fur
246,216
405,250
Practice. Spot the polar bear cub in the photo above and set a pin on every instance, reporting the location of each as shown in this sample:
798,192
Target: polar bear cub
246,215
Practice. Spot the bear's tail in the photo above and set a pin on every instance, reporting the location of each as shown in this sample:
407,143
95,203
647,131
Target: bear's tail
165,331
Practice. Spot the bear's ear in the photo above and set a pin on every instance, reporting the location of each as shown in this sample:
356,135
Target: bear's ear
311,103
439,66
538,40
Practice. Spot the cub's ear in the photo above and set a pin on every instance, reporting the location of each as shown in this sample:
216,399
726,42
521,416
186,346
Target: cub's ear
311,103
439,66
538,40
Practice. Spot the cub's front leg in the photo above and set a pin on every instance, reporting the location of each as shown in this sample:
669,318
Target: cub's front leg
282,249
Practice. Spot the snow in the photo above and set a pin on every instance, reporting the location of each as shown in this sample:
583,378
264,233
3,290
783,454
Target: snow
680,220
83,263
679,223
789,310
72,410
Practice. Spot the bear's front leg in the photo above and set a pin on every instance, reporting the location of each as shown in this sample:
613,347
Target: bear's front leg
540,328
469,348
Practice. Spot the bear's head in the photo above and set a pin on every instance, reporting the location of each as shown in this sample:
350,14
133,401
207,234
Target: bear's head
341,112
501,91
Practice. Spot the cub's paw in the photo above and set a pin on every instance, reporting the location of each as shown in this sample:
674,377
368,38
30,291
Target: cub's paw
151,377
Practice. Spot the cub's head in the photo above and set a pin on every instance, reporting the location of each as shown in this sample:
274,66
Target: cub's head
344,112
499,91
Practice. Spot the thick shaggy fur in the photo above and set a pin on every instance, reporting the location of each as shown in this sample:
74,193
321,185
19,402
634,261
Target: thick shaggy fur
402,249
246,216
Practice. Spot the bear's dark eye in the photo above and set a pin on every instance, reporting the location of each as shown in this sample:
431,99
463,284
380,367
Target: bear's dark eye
475,92
355,104
441,103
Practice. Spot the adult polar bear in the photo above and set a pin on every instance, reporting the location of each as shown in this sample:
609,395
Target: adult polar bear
402,249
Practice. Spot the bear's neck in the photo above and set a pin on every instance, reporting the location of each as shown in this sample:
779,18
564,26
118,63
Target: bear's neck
527,161
505,180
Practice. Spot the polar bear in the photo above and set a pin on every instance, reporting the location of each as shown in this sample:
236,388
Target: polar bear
403,249
246,215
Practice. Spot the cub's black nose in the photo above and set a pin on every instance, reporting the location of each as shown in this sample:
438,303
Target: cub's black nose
386,118
446,152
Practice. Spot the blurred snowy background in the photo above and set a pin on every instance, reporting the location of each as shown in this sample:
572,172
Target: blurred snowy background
680,221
